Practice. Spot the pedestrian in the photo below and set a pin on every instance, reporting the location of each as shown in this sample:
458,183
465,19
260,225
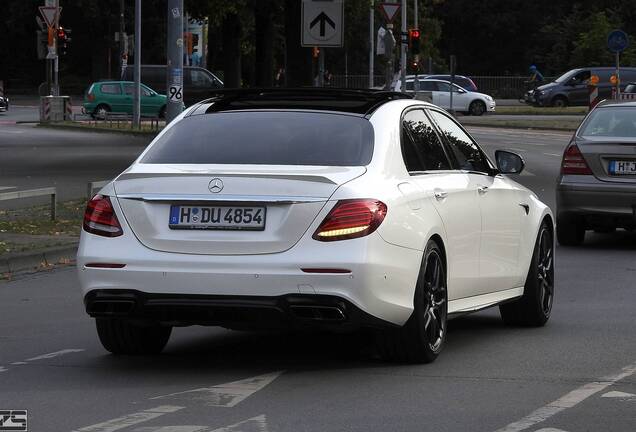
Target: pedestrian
327,78
196,57
280,77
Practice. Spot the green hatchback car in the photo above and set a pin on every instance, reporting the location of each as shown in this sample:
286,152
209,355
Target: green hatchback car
117,96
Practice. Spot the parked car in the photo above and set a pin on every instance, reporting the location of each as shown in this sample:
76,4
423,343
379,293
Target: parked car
4,103
117,96
464,101
463,81
571,87
597,186
198,83
288,207
630,88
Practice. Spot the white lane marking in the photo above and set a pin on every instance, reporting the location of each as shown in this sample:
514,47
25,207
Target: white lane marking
171,429
11,131
255,424
130,419
553,154
527,173
229,394
568,401
550,430
6,187
618,394
3,369
19,363
55,354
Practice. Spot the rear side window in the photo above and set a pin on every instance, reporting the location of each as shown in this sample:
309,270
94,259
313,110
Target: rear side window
421,148
468,156
265,138
110,89
610,122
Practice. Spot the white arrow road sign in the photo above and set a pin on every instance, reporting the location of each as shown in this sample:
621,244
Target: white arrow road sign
226,395
322,23
255,424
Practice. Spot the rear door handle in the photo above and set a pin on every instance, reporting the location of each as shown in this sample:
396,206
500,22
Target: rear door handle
440,195
482,189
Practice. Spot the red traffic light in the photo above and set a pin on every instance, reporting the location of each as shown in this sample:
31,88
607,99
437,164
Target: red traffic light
414,34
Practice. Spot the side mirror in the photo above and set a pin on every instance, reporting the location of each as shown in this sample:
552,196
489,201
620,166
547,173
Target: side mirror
508,162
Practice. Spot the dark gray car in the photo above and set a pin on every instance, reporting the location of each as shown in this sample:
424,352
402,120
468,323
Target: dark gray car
596,189
571,87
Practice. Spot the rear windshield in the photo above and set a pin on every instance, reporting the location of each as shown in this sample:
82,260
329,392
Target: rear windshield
265,138
610,122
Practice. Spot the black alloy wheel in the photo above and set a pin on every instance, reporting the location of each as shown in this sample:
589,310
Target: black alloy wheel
534,307
422,338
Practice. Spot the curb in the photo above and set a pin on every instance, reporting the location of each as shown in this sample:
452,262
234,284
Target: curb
34,260
97,129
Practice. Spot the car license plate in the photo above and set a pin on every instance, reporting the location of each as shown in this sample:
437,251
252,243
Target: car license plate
217,217
618,167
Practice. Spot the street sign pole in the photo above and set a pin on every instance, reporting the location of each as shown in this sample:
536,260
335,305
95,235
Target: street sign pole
175,60
617,42
371,44
321,68
56,82
618,76
403,48
137,85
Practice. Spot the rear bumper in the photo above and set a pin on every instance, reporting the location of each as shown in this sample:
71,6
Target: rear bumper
597,201
380,281
239,312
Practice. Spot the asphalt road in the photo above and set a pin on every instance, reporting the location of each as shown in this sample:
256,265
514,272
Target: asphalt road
576,374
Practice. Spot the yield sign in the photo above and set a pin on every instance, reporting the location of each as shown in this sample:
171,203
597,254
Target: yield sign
48,13
389,10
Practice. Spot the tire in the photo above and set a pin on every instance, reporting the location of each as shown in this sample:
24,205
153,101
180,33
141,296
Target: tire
100,111
422,338
570,231
534,307
121,337
162,112
477,108
559,102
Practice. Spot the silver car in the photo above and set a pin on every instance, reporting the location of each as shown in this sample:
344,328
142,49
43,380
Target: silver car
596,189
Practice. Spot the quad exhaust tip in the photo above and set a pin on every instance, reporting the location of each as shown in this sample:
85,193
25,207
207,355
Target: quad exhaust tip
318,313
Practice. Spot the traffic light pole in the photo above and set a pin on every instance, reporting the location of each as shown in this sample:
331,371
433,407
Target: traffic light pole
371,44
56,82
403,48
174,79
137,85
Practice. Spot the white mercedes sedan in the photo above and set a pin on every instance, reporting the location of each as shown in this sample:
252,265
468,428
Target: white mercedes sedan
336,209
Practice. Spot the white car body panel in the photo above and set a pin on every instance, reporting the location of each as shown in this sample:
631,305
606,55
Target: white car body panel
488,239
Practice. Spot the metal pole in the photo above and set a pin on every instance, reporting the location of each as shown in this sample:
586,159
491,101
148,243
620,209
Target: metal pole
321,67
371,45
175,59
122,32
56,82
137,85
452,80
618,76
403,48
389,49
415,13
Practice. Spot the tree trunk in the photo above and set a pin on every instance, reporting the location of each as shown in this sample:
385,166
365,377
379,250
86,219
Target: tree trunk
264,44
232,51
298,68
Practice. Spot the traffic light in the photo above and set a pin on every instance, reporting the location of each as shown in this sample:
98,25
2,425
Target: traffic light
414,41
63,40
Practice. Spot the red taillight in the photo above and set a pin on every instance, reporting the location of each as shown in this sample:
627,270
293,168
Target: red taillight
351,219
91,97
573,162
100,218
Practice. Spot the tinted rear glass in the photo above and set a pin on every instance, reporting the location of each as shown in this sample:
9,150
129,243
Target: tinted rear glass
610,122
266,138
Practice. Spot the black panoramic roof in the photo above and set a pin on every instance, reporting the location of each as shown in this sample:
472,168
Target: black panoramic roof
311,98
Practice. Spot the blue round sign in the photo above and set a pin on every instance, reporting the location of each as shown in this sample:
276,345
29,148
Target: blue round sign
617,41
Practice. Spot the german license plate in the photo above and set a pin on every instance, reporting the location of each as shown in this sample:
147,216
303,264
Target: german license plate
618,167
217,217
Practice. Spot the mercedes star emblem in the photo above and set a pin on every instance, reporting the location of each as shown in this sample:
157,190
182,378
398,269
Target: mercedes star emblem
215,185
